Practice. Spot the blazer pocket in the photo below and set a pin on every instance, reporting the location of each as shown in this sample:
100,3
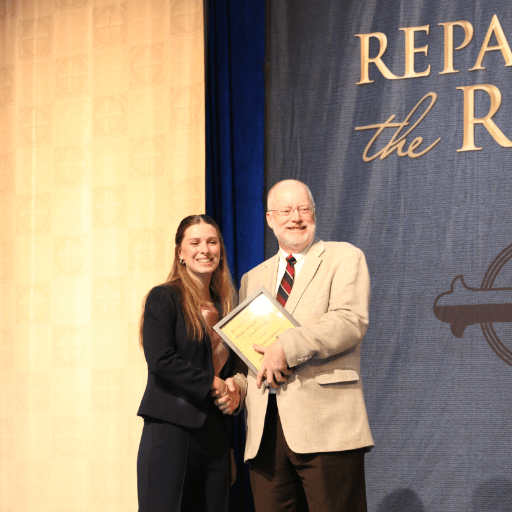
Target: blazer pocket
335,376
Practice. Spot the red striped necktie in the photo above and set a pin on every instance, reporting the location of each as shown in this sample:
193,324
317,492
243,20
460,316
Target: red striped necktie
287,282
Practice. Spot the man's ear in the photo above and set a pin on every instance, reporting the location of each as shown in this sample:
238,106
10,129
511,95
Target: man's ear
270,220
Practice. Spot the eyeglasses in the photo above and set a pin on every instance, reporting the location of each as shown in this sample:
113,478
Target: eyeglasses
304,211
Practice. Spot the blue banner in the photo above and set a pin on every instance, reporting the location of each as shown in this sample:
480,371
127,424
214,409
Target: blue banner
398,115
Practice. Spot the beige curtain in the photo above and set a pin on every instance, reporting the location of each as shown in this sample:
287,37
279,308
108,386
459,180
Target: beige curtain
101,155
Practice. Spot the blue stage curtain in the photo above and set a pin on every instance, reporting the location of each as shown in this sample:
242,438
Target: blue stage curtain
234,153
234,128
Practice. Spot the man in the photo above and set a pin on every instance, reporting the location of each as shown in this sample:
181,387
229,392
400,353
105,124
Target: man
306,436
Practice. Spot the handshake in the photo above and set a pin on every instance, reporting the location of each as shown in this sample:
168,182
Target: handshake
226,394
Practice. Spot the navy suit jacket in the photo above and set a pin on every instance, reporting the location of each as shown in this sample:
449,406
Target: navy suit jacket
180,369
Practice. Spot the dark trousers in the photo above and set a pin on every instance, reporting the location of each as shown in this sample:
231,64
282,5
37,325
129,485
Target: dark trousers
284,481
183,470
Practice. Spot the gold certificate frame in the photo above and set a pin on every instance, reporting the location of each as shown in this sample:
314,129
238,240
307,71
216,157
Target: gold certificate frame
259,319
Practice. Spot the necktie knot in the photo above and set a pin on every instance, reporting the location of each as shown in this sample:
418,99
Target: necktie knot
291,260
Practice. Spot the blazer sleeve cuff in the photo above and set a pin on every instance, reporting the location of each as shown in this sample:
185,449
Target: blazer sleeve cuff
241,380
294,355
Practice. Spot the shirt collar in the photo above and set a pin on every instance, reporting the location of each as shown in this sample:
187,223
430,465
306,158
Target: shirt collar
297,256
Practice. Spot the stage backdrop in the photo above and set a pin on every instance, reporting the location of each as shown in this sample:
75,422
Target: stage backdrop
398,114
101,155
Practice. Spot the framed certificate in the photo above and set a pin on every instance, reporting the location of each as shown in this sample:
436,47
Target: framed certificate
259,319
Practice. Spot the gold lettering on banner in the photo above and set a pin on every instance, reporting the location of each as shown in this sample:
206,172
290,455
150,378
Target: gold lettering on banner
448,43
366,60
401,130
410,50
397,141
494,28
470,120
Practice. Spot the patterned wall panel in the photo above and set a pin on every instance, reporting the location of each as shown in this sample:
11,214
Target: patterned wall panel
101,156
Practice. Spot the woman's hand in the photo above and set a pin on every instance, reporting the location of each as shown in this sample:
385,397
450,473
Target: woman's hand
227,394
218,388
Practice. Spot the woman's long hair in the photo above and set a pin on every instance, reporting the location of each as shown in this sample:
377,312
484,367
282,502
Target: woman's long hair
221,284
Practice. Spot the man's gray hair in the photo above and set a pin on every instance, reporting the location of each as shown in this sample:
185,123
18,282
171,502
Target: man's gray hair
283,182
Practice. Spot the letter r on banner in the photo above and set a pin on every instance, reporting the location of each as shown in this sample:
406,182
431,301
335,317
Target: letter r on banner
470,120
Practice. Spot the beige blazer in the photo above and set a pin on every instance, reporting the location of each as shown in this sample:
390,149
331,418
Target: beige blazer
321,406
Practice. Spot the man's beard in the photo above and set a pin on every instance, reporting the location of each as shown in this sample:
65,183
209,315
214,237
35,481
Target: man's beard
296,243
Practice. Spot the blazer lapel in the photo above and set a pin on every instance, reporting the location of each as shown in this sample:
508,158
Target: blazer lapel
307,272
269,274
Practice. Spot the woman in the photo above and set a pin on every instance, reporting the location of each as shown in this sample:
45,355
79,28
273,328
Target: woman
184,455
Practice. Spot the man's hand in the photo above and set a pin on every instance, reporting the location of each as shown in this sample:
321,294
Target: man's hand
230,399
274,365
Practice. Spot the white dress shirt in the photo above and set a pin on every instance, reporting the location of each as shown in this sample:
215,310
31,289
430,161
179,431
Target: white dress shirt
281,268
